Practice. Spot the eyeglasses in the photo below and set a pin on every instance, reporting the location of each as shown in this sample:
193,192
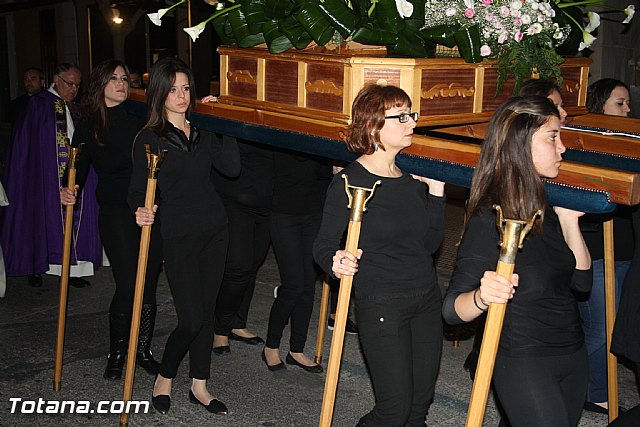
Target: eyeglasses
70,84
404,117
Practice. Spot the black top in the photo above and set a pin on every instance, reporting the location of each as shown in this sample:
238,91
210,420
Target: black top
187,200
401,230
542,319
111,160
299,183
592,230
254,186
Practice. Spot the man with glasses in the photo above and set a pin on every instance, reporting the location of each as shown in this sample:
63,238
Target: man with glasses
32,231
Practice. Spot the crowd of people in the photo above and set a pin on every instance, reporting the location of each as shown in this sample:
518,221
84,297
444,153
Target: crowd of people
219,202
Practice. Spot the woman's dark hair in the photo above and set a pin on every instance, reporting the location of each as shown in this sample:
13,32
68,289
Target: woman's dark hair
599,92
368,113
505,173
93,105
161,78
538,87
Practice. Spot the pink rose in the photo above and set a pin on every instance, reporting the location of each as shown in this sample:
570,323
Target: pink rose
485,50
486,3
518,36
505,11
469,13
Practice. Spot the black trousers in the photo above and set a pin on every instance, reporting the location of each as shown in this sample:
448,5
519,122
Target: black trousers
292,237
194,266
121,239
248,244
402,342
542,391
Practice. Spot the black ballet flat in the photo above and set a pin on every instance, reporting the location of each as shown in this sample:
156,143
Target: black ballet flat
161,403
272,368
315,369
215,406
592,407
222,349
251,340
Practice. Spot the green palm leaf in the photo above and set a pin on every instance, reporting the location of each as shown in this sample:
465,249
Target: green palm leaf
242,32
341,17
314,21
295,32
254,14
276,41
223,28
275,9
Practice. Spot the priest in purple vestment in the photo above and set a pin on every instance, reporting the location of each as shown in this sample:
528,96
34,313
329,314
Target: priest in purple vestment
32,230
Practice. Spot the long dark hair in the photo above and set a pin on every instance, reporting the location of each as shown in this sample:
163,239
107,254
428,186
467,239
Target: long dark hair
368,115
599,92
161,78
505,173
93,106
538,87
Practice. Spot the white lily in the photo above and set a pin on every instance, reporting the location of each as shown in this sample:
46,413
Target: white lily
195,31
405,8
156,18
587,40
629,11
594,22
469,4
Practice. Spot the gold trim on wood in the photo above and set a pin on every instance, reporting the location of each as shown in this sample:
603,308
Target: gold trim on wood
444,90
323,86
241,76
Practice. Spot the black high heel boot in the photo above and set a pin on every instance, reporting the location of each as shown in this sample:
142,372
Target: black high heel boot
118,343
144,356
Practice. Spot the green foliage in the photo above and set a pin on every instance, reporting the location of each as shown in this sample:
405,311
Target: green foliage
519,61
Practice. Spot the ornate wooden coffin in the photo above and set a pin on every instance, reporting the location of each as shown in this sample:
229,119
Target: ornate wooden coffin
321,86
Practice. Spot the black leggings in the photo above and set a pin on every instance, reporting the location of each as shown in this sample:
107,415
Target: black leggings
248,245
292,237
195,265
121,239
542,391
402,342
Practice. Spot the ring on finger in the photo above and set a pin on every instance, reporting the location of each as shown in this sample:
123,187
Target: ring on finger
341,259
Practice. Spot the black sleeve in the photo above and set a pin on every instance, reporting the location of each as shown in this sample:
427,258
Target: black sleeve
225,154
478,253
139,174
582,280
335,219
435,207
81,136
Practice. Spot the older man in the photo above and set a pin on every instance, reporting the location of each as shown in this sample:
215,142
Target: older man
32,231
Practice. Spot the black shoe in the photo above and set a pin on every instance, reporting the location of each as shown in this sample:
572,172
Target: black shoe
222,349
161,402
251,340
78,282
315,369
115,363
35,280
215,406
272,368
592,407
118,345
350,328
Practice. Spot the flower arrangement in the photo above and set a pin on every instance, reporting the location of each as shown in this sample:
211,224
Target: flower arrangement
525,37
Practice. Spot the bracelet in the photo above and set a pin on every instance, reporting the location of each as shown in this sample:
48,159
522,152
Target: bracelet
476,302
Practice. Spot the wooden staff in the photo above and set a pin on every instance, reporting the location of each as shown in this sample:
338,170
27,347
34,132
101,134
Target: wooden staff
322,323
610,318
512,234
73,153
153,164
357,204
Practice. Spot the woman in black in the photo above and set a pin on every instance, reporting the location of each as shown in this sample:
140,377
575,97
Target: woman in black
192,220
295,219
107,132
397,298
540,374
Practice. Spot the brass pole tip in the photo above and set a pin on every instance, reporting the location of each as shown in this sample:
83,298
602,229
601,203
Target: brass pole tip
57,385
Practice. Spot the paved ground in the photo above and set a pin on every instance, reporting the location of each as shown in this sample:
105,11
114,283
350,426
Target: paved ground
255,396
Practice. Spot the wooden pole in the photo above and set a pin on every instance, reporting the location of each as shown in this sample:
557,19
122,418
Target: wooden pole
512,233
66,266
357,204
610,318
322,322
153,164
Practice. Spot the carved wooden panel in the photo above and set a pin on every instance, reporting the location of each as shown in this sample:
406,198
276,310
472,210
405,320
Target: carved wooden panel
281,82
570,85
489,101
377,75
324,87
242,76
446,91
